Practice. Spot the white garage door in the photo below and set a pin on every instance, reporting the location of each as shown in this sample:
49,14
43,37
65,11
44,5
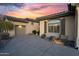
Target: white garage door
20,30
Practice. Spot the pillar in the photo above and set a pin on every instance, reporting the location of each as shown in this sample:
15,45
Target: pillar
77,41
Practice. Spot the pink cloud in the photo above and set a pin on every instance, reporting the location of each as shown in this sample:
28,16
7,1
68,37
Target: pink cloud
46,8
34,9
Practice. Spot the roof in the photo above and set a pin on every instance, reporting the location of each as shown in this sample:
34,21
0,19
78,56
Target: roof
16,19
70,12
53,16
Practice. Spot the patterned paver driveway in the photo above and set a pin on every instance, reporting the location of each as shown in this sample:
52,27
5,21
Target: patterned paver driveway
30,45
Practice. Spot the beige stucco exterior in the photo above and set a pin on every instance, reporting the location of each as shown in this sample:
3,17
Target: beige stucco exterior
42,27
29,27
47,33
12,32
69,28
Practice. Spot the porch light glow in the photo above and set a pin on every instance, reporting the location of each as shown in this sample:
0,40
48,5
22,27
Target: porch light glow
20,26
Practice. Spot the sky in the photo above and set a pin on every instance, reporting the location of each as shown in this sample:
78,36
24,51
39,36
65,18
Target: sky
31,10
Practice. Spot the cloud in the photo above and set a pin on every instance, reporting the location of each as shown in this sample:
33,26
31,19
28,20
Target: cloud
39,8
32,9
12,4
49,8
8,7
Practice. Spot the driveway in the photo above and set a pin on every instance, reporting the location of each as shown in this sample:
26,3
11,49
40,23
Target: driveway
30,45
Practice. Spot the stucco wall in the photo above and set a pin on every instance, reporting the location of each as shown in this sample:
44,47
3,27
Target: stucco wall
19,23
30,27
12,33
48,34
70,27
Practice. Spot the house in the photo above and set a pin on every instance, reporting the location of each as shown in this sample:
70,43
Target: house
21,26
63,24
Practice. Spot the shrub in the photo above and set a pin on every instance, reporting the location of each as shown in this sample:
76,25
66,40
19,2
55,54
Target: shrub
43,36
4,35
38,32
5,26
34,32
51,38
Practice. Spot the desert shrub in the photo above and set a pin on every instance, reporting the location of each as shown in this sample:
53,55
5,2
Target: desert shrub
43,36
34,32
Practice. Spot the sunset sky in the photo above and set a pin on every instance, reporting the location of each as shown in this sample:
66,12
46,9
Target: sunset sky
31,10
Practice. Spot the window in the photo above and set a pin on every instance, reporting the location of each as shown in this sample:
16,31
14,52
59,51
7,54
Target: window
54,26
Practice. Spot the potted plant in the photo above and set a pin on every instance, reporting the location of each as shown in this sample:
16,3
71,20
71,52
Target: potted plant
43,36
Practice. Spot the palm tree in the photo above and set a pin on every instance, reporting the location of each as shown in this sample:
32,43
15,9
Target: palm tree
5,26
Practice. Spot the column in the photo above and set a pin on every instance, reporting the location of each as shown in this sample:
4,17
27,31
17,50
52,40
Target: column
77,41
41,27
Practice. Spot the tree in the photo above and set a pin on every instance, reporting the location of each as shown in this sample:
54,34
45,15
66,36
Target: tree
5,26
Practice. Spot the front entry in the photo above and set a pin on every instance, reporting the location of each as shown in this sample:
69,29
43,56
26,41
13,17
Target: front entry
54,28
20,30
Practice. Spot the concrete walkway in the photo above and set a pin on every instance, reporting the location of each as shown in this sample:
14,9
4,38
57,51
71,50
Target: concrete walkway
30,45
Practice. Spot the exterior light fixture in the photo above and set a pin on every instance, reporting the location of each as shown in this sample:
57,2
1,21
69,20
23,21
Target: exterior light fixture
20,26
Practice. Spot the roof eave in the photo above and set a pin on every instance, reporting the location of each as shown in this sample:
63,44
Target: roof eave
53,16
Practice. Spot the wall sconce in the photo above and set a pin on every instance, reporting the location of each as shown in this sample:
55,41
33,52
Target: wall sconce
20,26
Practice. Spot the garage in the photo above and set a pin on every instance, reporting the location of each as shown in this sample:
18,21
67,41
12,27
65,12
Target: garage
20,30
